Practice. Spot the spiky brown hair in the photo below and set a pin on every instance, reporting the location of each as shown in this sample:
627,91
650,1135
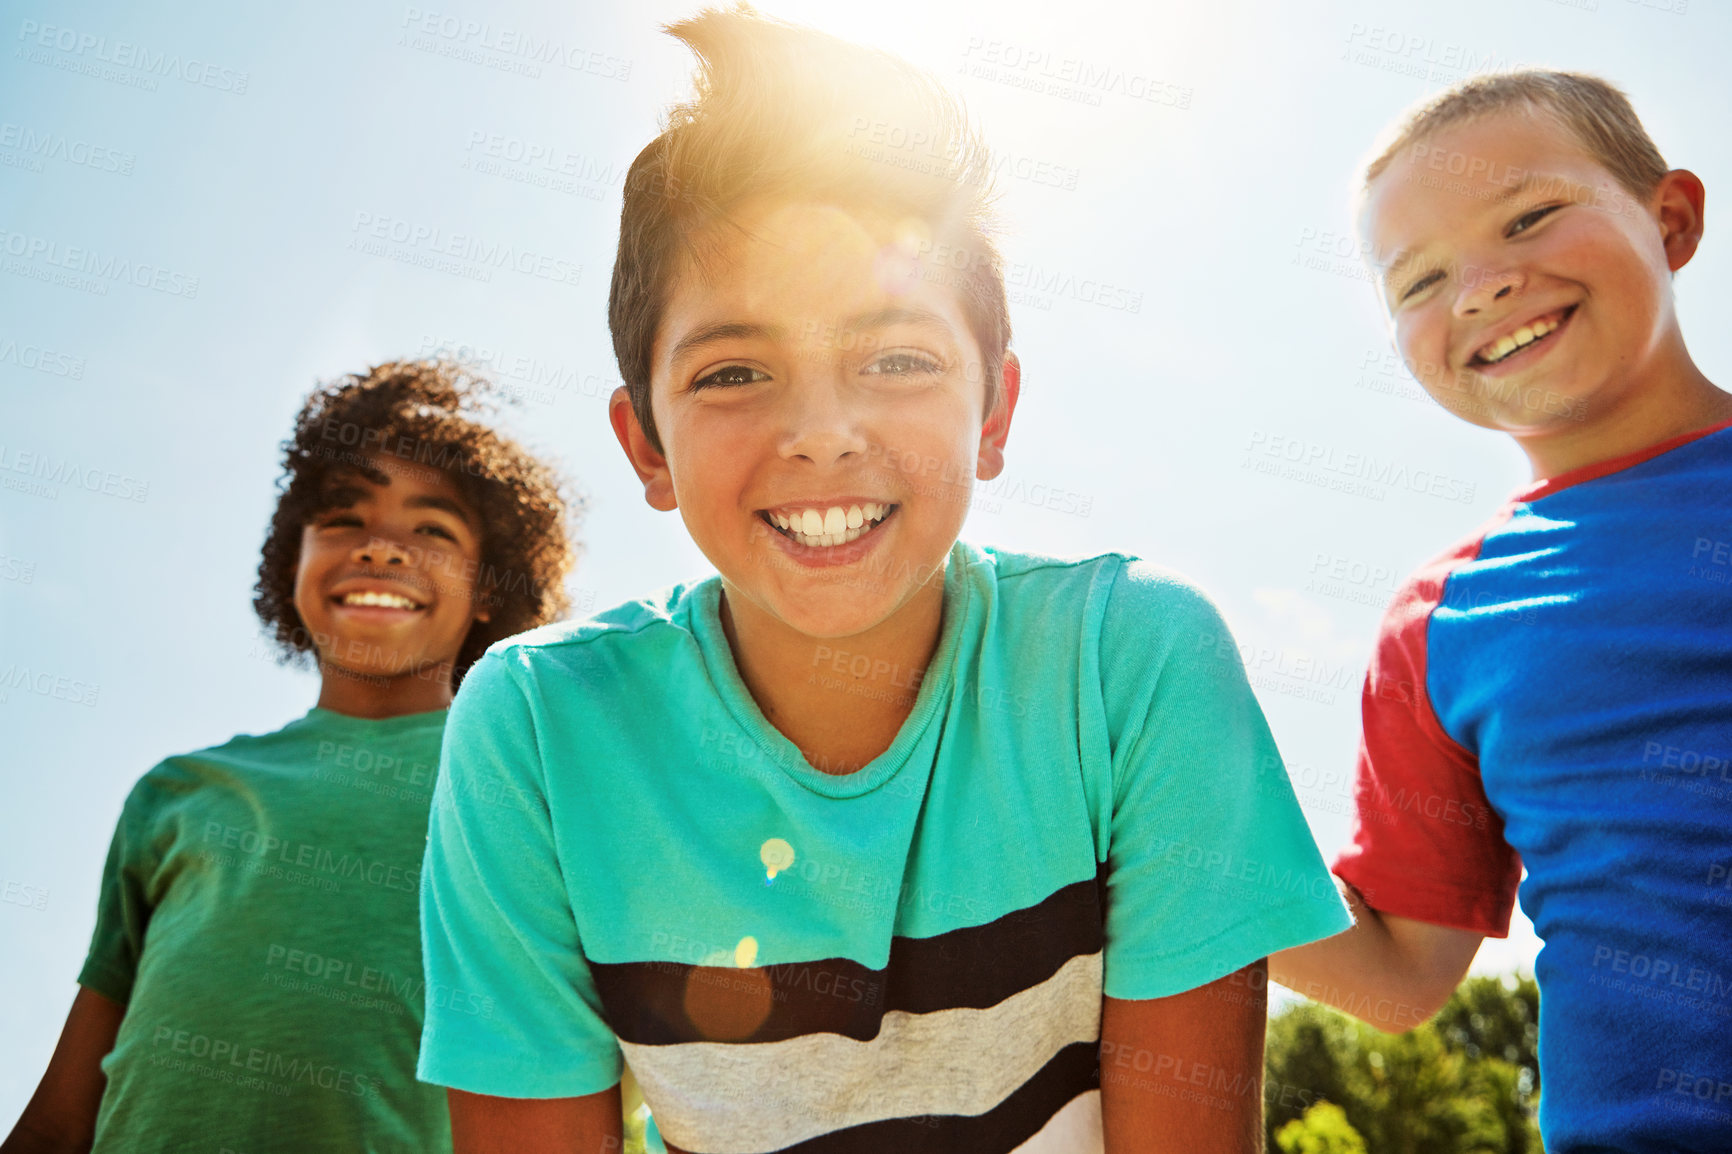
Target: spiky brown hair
791,112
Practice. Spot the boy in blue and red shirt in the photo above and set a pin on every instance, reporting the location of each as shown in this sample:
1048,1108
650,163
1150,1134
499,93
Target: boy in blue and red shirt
1551,691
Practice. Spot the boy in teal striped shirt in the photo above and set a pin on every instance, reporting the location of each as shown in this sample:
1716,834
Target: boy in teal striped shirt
877,840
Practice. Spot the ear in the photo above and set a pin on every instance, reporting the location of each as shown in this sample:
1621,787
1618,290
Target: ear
647,460
1678,202
996,430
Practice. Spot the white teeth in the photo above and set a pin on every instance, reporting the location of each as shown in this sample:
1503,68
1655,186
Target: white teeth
385,600
831,526
1526,335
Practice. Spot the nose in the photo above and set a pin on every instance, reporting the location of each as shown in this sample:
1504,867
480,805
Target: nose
380,551
820,424
1481,290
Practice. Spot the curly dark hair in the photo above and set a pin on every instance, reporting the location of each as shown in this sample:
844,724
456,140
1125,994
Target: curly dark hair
429,413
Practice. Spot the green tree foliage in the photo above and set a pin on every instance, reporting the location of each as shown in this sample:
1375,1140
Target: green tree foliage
1323,1129
1466,1082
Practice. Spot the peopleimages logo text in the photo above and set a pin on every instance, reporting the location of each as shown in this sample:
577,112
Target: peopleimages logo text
103,266
125,54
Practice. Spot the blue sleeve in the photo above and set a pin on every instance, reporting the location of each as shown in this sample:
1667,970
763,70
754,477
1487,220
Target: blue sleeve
512,1010
1211,865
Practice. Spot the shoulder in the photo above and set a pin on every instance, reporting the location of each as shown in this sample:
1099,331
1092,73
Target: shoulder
1163,639
1154,601
628,642
1112,597
1401,633
181,774
1047,585
631,624
1129,617
1050,602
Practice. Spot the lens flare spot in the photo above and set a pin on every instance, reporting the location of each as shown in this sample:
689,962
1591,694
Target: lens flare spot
777,855
726,1003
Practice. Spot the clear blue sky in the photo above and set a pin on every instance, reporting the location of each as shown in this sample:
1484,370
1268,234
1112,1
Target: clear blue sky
1204,170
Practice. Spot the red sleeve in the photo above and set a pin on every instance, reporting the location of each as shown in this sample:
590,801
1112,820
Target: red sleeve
1426,843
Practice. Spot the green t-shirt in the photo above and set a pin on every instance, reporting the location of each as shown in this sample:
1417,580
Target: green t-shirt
258,921
627,861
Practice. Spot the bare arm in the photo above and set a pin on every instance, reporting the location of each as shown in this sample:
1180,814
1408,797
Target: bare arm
483,1124
61,1115
1185,1073
1391,972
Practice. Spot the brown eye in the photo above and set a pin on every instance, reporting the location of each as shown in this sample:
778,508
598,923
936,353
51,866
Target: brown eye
1421,284
1528,219
902,364
734,375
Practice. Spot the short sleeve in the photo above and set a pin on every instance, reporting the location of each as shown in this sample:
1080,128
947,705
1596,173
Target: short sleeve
123,904
1210,863
512,1010
1426,843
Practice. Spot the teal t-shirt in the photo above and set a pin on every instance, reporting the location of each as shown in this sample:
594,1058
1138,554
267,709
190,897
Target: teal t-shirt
257,919
627,861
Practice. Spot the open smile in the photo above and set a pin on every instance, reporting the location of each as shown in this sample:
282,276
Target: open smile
1514,344
389,599
826,527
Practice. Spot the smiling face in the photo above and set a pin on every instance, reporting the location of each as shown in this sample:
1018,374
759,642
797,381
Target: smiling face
1530,294
822,415
386,579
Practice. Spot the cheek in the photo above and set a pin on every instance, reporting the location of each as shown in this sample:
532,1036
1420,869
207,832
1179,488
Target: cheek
706,474
1422,336
464,582
306,570
1612,258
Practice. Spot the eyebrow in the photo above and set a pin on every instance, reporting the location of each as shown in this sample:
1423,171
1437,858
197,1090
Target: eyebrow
1515,190
340,496
726,331
742,330
343,496
444,504
1386,274
898,315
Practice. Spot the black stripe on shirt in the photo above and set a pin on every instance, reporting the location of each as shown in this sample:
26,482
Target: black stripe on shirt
1073,1070
972,968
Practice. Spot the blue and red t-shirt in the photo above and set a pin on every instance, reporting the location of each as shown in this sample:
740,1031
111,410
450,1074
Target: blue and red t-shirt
1556,691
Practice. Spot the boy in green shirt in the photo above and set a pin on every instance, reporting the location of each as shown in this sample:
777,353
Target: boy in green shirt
906,844
254,981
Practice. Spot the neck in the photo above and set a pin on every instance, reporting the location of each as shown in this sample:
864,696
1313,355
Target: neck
840,700
1662,401
375,697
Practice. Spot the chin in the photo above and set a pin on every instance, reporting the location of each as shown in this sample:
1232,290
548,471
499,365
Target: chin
835,612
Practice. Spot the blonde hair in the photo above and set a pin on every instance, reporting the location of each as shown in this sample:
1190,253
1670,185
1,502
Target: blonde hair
1595,112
